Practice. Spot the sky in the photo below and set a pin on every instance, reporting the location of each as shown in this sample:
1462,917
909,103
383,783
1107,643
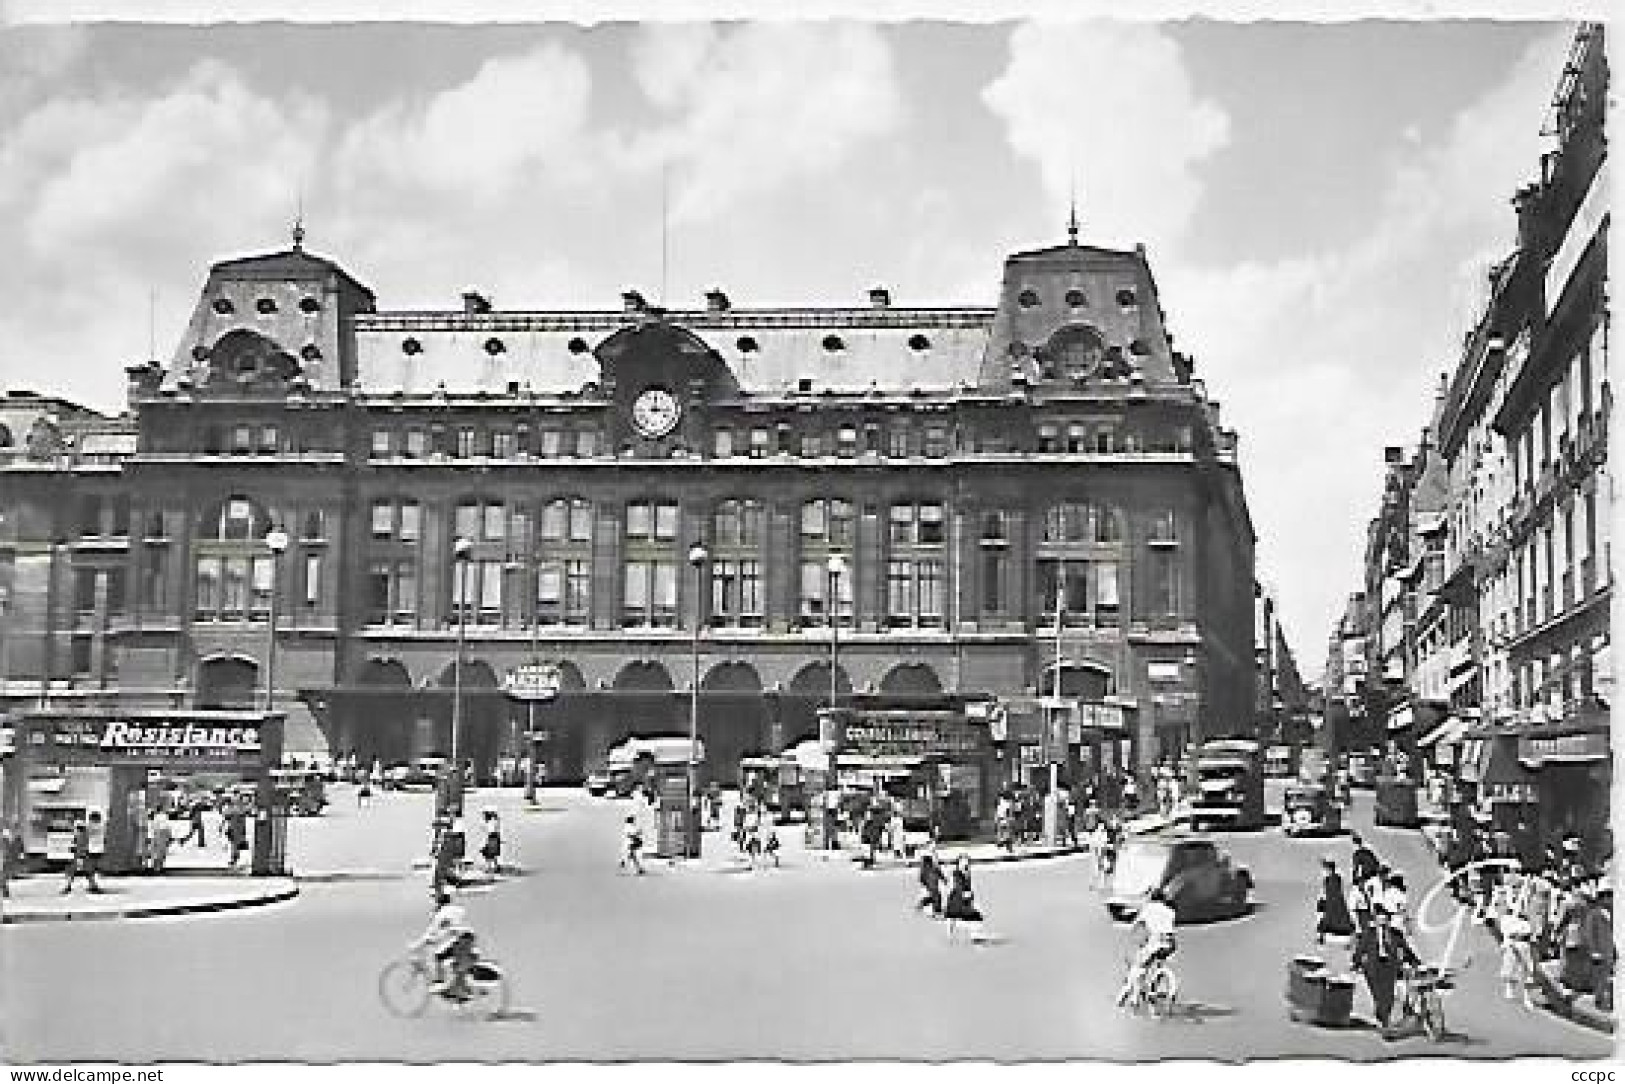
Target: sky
1320,202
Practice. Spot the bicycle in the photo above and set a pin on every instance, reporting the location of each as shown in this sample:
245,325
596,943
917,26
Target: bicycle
1155,990
405,986
1420,1000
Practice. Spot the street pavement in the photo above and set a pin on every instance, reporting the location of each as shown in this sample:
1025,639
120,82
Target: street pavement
816,961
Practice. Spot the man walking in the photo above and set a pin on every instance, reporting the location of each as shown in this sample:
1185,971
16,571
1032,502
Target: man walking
1379,954
82,862
159,838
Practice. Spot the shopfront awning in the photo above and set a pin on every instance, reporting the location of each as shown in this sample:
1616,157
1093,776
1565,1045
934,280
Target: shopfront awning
1446,733
1502,777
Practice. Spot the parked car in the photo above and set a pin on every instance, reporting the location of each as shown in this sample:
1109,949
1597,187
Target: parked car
1311,809
302,791
598,782
1200,879
1362,770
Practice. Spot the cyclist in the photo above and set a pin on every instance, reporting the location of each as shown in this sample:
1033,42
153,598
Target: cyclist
451,940
1156,919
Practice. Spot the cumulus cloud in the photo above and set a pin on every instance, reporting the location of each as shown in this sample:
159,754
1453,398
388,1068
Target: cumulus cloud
763,105
519,121
1110,107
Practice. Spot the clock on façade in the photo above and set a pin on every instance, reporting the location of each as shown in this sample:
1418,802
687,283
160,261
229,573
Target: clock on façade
656,412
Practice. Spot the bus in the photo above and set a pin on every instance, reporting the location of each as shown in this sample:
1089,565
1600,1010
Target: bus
1229,785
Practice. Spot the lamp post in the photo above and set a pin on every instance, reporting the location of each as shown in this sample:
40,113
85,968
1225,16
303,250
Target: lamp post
535,660
835,567
697,558
5,644
1052,800
461,550
276,540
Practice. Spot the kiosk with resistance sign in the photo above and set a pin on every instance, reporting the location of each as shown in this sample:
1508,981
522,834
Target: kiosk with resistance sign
123,764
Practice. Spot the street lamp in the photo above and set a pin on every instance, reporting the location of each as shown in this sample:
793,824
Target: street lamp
276,540
461,550
697,558
835,567
5,645
535,659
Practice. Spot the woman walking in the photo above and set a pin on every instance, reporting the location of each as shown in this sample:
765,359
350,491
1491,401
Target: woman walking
491,849
961,906
1335,920
931,878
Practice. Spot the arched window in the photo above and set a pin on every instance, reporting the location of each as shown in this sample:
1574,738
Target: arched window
1076,350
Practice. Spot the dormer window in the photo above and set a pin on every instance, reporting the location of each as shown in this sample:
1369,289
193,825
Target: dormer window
310,352
223,306
1075,298
1126,298
265,306
309,306
1028,299
578,346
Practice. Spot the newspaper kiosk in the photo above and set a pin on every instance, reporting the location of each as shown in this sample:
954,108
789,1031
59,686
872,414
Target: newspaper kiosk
72,762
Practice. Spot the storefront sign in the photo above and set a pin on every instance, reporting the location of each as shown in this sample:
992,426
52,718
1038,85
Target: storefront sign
182,741
1570,748
160,740
909,737
1102,716
1510,792
534,681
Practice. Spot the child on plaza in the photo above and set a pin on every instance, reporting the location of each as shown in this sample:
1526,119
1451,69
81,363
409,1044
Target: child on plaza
491,849
632,845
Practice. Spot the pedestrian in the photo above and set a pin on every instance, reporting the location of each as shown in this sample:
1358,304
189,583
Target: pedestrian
1360,902
1599,936
1379,954
897,835
1131,793
1537,909
363,792
491,849
194,821
739,823
236,828
931,878
753,832
377,774
1100,844
1066,814
961,907
1364,864
632,845
1004,823
1517,958
159,838
1334,920
82,857
871,835
1394,898
770,840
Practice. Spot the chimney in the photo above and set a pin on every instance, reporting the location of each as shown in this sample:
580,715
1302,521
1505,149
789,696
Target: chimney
1393,455
475,303
1527,203
717,301
880,298
632,301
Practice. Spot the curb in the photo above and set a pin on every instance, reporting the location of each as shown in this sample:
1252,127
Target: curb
343,876
281,895
1561,1003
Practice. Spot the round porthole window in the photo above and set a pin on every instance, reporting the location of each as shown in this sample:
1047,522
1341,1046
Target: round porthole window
919,342
747,345
493,346
411,346
310,352
309,305
833,343
1028,299
265,305
223,306
578,346
1075,298
1126,298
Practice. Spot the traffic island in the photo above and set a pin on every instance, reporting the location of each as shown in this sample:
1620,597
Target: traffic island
40,899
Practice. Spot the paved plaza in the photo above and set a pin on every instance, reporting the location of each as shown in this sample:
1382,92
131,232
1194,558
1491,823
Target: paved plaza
817,960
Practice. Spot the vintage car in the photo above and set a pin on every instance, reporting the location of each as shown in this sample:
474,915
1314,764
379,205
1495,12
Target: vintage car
1311,809
422,772
301,791
1199,878
598,782
1362,770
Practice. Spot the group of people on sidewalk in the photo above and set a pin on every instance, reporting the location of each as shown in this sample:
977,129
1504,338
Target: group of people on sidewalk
450,849
1543,917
